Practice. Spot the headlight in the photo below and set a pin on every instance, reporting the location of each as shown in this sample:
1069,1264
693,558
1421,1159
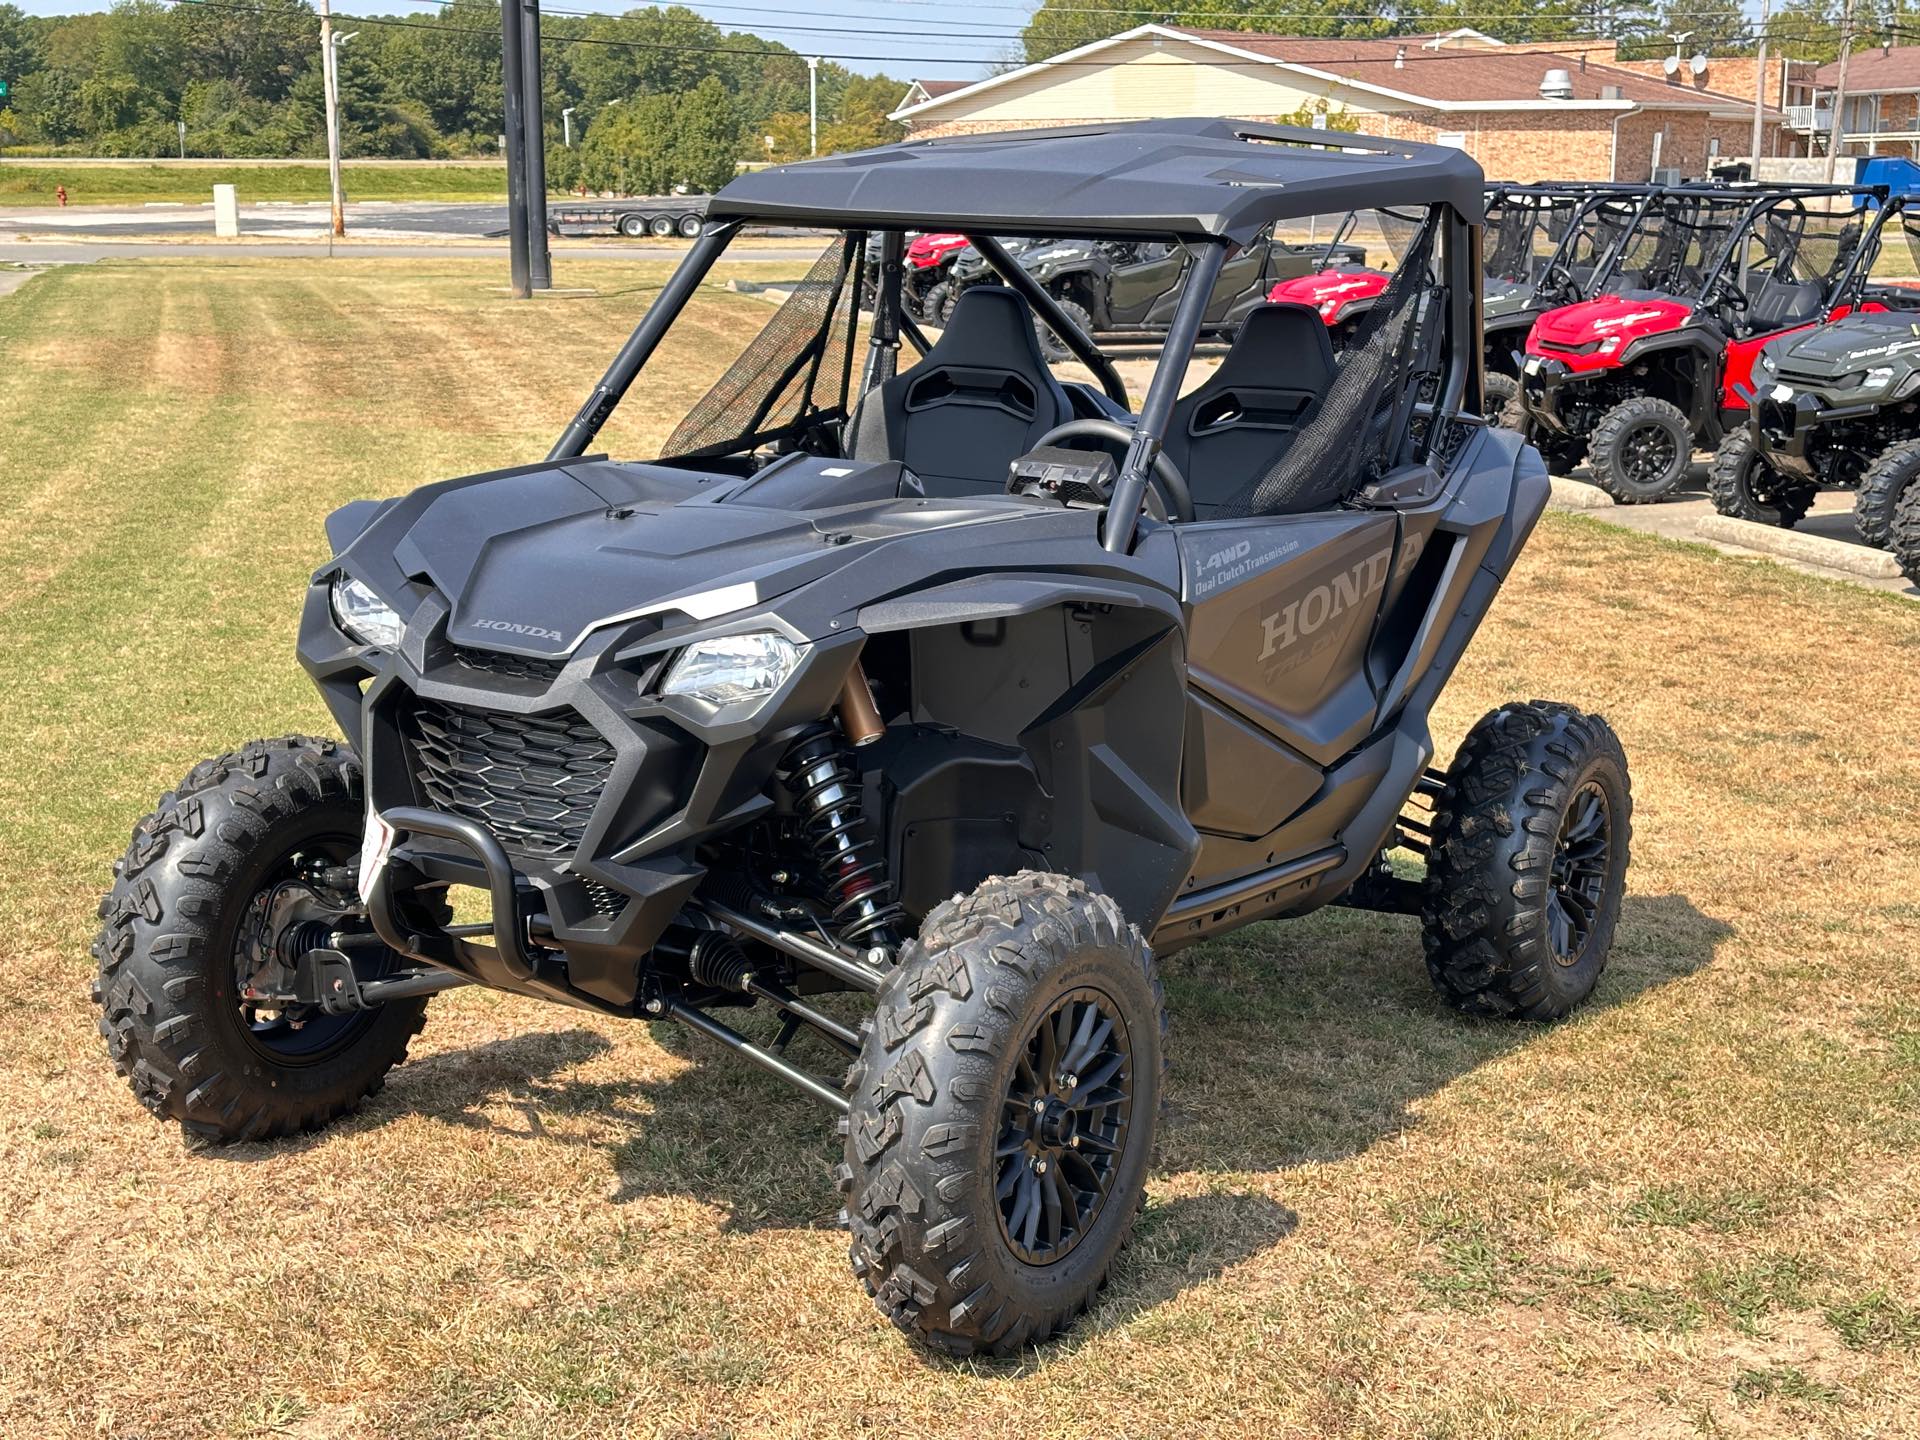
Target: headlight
1878,376
733,670
1908,386
1763,364
364,615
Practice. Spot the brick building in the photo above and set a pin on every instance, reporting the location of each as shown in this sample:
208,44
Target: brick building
1881,111
1524,112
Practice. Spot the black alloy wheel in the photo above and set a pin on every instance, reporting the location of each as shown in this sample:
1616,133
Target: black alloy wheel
1067,1114
1578,878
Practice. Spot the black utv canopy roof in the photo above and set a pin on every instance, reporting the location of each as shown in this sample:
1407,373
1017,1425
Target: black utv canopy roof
1159,177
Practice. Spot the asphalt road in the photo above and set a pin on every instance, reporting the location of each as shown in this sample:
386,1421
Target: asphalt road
81,249
303,218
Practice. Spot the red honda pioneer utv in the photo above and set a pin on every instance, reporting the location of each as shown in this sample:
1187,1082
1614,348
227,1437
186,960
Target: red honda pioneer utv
1655,365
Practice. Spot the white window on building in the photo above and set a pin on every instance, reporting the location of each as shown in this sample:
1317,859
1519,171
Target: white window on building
1455,138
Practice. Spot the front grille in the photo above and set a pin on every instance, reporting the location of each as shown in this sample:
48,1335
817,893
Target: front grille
511,667
532,780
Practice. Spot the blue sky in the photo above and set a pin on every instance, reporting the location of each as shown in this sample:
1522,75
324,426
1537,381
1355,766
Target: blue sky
907,38
929,39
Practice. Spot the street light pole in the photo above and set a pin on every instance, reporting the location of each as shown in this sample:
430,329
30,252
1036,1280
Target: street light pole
330,83
1760,85
813,104
566,127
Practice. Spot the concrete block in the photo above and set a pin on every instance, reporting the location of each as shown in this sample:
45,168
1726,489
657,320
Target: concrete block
1572,494
1792,545
226,212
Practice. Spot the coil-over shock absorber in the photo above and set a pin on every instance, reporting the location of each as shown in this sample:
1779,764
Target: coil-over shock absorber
826,787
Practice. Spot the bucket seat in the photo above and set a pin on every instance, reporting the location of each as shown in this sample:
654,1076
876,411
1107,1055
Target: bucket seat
1234,428
979,398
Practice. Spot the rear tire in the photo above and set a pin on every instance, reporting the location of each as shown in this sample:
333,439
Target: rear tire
1885,482
169,951
966,1140
1051,345
1529,861
1744,486
1641,450
689,227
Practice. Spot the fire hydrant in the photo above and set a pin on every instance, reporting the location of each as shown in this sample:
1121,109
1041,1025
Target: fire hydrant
60,194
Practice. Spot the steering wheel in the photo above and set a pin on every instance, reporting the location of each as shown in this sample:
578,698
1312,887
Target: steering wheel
1169,485
1557,281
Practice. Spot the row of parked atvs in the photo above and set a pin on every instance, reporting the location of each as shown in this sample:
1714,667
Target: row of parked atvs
1625,327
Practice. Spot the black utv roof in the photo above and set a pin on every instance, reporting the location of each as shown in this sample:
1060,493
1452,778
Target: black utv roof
1160,177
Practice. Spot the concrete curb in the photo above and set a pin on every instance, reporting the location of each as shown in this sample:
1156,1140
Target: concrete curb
1792,545
1577,495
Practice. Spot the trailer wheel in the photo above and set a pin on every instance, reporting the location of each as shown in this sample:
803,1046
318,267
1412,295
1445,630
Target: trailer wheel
1004,1107
1744,486
1641,450
660,227
633,226
690,226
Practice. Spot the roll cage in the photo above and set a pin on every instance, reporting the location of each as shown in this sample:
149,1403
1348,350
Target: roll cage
799,394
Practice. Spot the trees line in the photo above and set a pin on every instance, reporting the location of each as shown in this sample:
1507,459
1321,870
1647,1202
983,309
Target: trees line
661,96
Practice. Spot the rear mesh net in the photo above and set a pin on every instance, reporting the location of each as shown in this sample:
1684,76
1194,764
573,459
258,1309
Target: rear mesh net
796,369
1362,425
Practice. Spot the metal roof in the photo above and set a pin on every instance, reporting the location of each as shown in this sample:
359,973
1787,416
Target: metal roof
1189,178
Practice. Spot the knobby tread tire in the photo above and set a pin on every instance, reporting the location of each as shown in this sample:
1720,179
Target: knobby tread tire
1886,481
165,984
1904,540
1052,346
933,1066
1484,910
1730,485
1500,400
1628,415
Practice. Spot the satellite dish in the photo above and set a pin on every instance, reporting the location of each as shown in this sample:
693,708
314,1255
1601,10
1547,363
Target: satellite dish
1698,65
1671,64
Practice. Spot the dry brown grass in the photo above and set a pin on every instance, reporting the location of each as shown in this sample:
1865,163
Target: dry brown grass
1690,1211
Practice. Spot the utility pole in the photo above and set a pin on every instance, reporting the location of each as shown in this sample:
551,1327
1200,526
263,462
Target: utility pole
566,127
330,83
519,280
1760,85
813,104
1840,90
533,117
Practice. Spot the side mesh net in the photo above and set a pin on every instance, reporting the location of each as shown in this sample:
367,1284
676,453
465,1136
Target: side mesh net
794,373
1362,427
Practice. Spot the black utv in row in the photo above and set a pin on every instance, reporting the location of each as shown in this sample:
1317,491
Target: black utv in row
1129,289
939,681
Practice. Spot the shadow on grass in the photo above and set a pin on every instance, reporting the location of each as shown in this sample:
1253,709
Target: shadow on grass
1299,1042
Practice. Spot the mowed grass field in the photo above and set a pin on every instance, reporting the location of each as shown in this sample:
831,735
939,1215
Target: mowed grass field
1694,1209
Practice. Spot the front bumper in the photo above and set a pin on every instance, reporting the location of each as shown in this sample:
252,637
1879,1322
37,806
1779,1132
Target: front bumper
567,789
1545,383
1784,426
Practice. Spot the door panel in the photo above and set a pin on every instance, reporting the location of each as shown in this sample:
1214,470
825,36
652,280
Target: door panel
1283,610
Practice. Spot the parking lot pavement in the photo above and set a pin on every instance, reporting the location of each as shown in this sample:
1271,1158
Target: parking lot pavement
292,219
1830,523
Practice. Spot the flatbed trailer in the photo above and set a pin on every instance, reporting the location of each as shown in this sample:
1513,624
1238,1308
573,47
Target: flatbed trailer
661,216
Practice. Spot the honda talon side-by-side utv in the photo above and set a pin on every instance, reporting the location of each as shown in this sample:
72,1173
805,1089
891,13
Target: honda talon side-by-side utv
947,683
1656,364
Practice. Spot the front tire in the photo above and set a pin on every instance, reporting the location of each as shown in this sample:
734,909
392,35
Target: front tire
1500,401
1744,486
1882,487
185,918
1905,539
1641,450
1529,862
1005,1104
1051,345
